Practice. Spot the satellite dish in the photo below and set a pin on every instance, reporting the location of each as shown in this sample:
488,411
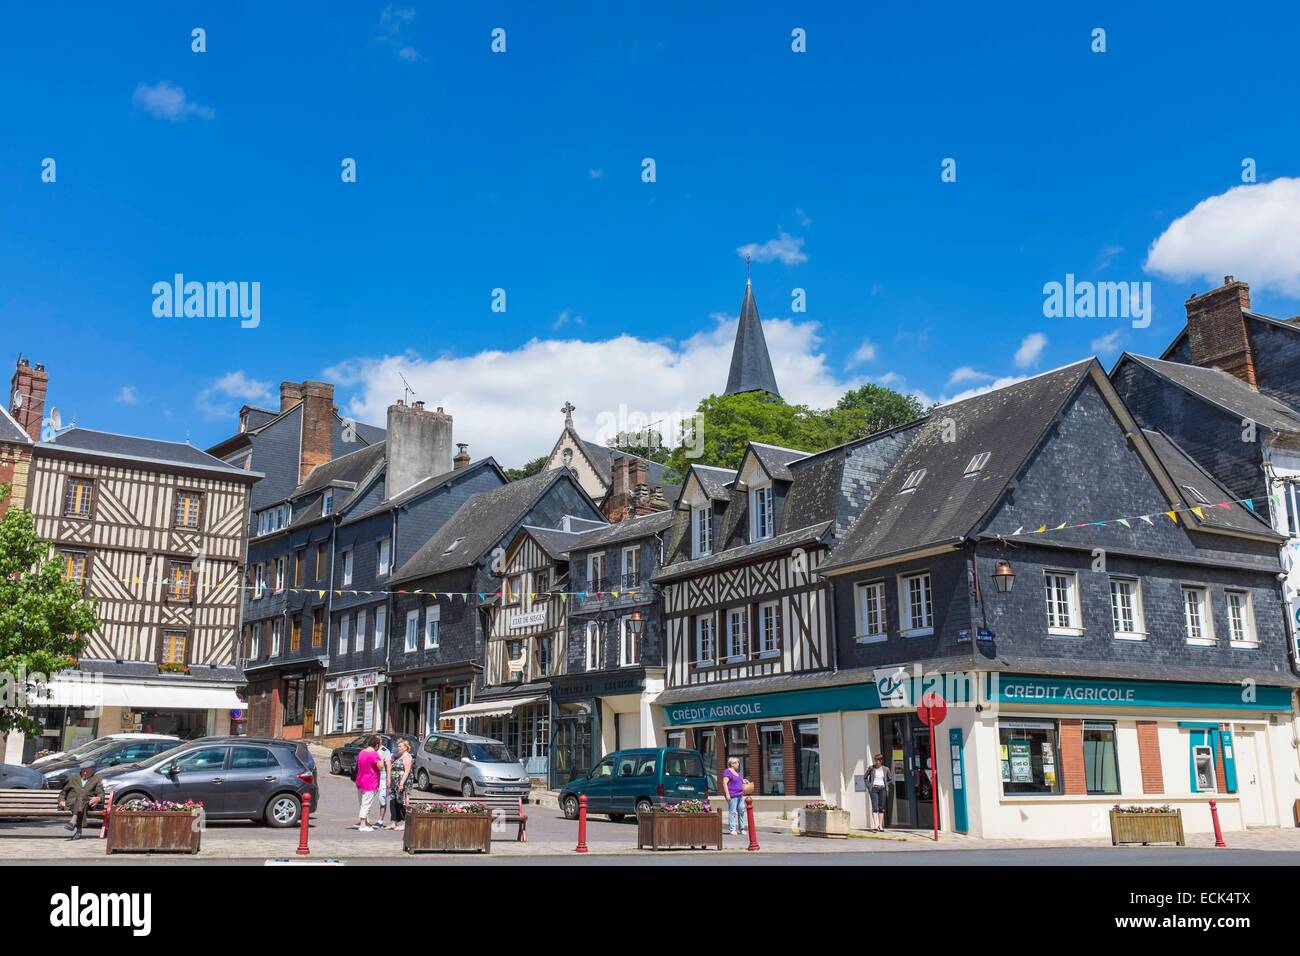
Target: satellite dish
18,399
56,420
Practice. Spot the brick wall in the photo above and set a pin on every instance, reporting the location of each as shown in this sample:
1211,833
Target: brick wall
791,775
1073,776
1153,778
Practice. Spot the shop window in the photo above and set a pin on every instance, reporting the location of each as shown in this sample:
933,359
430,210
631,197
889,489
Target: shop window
808,758
675,738
295,696
738,746
706,742
340,712
1100,762
1028,753
772,779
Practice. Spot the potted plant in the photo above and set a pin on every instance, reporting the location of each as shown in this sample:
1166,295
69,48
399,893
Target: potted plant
155,826
434,826
1146,825
173,667
690,823
822,819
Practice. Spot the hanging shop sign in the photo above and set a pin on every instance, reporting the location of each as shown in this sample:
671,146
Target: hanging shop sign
531,619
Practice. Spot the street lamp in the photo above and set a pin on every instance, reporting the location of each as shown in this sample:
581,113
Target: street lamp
1003,576
635,622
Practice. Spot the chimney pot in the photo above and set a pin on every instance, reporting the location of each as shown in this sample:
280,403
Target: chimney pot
1218,333
462,457
1228,280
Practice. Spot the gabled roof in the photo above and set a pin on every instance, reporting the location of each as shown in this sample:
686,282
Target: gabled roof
1219,388
347,470
751,366
11,431
1186,473
145,451
713,480
602,459
554,543
745,552
258,419
774,459
627,530
479,524
424,486
945,505
1292,323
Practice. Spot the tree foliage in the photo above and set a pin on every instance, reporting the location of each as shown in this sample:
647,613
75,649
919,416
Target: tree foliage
42,616
531,468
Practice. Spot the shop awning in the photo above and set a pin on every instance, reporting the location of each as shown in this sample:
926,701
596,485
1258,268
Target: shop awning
491,708
137,696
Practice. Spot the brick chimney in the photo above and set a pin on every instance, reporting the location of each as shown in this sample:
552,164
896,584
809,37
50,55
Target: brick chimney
290,394
618,502
419,446
461,460
27,397
317,425
1217,333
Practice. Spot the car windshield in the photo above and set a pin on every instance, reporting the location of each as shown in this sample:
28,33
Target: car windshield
88,748
158,758
491,753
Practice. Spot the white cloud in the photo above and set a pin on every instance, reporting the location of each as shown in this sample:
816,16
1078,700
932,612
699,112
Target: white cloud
997,383
595,173
166,100
1031,350
1248,231
967,374
1106,344
216,401
507,403
866,352
787,248
126,396
565,318
1107,256
408,53
391,23
803,217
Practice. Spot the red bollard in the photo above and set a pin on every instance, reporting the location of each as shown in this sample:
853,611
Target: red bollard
303,849
749,815
582,824
108,808
1218,830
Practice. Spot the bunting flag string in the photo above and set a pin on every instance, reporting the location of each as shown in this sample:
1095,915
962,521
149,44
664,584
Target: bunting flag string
1126,521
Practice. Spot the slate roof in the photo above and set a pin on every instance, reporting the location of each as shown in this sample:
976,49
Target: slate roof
744,552
1227,391
602,456
1186,472
627,530
477,525
751,366
774,459
422,487
349,469
144,450
554,543
1007,422
714,480
11,431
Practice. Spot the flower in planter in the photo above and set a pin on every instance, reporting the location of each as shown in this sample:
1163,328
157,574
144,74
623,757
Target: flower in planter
1164,808
172,667
160,806
687,806
448,808
819,805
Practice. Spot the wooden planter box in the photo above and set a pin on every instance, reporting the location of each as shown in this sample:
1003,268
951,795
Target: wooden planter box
660,831
1146,828
826,823
137,831
428,832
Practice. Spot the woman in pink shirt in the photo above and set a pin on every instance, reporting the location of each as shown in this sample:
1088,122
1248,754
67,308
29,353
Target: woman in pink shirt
368,763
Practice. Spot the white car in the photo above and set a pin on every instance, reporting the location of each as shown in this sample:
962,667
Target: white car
92,745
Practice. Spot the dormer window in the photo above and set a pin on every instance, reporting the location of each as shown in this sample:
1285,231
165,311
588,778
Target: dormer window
762,524
1196,494
327,502
453,546
977,464
702,531
913,480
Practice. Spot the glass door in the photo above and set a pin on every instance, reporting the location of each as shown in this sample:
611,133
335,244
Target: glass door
922,775
897,747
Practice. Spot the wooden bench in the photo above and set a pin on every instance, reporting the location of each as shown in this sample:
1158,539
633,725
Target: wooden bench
505,809
30,803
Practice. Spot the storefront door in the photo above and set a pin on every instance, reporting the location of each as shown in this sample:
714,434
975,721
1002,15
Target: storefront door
906,743
571,751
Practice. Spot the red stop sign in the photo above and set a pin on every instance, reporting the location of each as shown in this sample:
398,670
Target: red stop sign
932,709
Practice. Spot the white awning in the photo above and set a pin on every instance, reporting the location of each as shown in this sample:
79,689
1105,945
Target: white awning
136,695
491,708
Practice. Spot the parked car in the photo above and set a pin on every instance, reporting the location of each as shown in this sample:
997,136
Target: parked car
344,759
15,777
475,766
79,752
628,780
235,778
114,753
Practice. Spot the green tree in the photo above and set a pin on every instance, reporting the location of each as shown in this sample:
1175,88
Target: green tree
42,616
647,443
531,468
872,408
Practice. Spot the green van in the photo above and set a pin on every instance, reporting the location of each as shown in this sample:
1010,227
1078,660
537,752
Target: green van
627,780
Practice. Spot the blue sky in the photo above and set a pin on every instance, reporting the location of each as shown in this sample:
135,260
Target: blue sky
522,171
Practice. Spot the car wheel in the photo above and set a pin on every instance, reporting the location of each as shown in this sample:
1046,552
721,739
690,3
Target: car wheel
422,781
467,788
127,797
644,806
282,810
570,807
616,817
336,765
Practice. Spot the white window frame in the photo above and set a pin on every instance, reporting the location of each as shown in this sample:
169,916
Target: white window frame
347,567
383,558
277,637
255,641
593,579
1139,630
769,638
869,595
908,624
327,502
280,572
706,622
592,648
1247,606
1073,624
432,626
1205,612
345,633
381,626
625,638
359,631
762,494
259,581
702,531
631,566
412,631
732,616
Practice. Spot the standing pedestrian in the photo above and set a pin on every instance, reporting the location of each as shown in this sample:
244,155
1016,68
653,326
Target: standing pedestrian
83,792
734,785
879,779
403,766
368,763
385,775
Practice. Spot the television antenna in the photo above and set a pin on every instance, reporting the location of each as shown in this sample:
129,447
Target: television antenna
407,392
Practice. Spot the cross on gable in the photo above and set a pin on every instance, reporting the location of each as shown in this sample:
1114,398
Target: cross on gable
568,409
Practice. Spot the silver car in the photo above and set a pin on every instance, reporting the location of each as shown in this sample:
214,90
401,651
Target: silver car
474,766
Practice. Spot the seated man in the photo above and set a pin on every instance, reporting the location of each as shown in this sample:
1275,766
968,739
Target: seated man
83,792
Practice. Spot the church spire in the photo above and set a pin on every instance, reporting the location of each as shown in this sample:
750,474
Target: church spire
751,367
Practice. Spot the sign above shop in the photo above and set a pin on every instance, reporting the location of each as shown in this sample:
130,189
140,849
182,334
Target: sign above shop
790,703
1089,692
599,687
352,681
531,619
